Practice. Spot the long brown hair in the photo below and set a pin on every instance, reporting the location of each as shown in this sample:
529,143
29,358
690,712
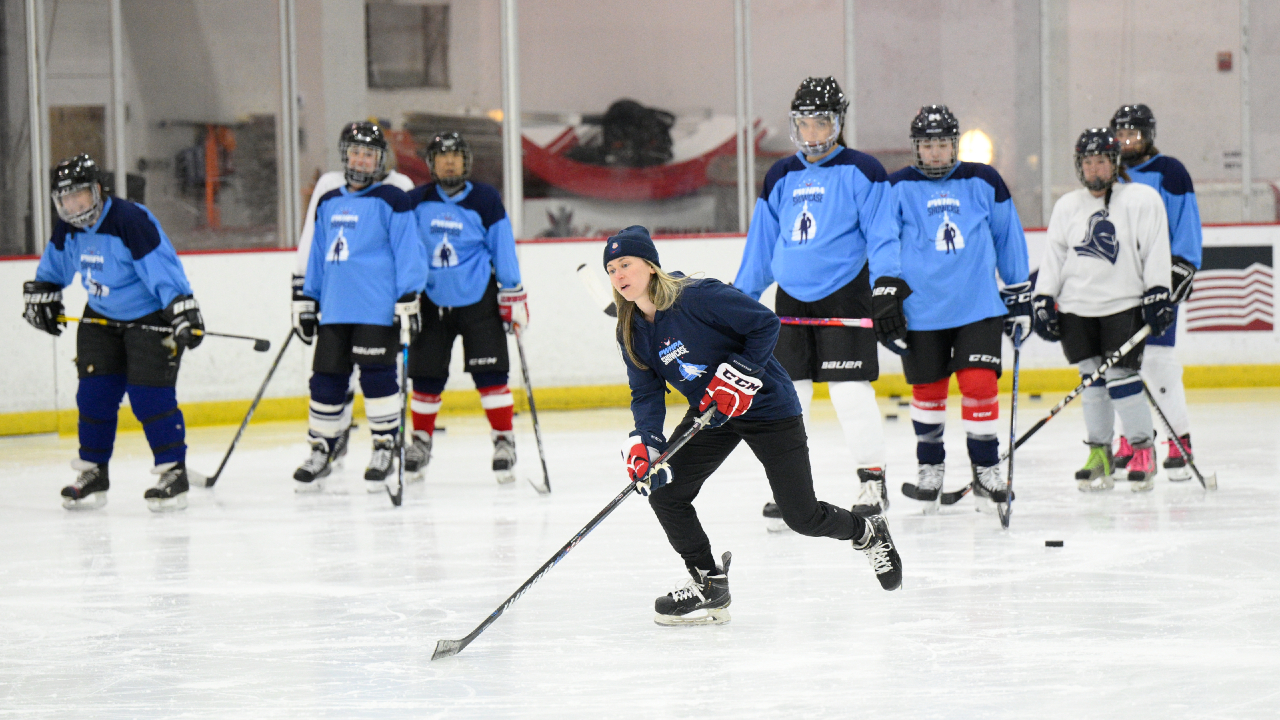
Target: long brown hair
664,289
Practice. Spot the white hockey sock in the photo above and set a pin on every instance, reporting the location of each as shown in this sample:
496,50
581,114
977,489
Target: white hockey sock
804,388
383,413
1163,373
1099,413
859,415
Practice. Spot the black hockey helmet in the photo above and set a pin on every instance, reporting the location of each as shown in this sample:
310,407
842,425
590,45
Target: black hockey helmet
367,134
1097,141
818,97
1137,117
935,121
447,142
71,176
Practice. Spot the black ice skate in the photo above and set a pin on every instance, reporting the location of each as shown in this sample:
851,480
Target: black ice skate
170,491
89,491
310,475
1175,464
883,556
872,498
704,600
989,487
417,455
773,521
928,487
340,445
504,456
380,463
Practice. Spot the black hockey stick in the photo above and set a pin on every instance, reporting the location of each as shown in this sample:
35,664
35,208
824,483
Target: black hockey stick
1007,509
1129,345
259,344
252,406
1208,483
446,648
397,495
545,487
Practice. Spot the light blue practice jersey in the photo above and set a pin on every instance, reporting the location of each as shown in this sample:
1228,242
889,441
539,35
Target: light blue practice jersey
814,223
1170,178
126,262
468,238
366,254
953,234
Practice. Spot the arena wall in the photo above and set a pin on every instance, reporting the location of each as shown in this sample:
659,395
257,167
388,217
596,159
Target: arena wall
573,360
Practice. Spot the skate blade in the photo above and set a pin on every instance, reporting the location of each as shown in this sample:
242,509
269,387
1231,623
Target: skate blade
776,525
1101,484
375,486
161,505
931,506
1181,474
504,477
1143,486
92,501
982,504
309,488
711,616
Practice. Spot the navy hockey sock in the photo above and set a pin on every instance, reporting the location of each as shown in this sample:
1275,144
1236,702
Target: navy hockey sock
984,451
98,401
157,409
328,405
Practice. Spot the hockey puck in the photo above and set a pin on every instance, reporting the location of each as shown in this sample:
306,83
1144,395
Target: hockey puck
1035,396
904,403
891,416
1053,543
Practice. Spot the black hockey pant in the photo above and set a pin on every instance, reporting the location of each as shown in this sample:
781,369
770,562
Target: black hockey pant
782,447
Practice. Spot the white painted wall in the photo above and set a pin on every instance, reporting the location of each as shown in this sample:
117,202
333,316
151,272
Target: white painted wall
569,342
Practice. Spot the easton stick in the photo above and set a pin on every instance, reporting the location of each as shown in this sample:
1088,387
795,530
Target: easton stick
252,406
545,487
447,648
828,322
259,344
1129,345
1208,483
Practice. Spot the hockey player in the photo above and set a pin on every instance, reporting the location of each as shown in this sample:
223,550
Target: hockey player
132,275
957,227
1103,275
474,291
332,181
817,214
715,346
364,274
1135,129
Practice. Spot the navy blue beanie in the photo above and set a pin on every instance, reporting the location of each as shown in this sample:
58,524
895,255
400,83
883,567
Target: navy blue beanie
633,241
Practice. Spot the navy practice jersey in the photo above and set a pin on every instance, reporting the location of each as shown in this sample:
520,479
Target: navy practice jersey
366,254
813,224
126,262
953,233
1170,178
468,238
709,324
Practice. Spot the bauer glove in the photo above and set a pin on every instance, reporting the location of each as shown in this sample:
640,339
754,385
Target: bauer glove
43,306
408,319
305,309
1182,273
887,313
188,325
1017,301
513,306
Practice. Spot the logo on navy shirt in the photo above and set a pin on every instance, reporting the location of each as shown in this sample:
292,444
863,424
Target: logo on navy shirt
1100,239
671,351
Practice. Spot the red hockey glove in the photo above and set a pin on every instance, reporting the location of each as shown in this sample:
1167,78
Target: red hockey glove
638,457
731,390
513,306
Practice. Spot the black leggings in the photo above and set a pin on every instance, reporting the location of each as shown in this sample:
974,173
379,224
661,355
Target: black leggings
782,448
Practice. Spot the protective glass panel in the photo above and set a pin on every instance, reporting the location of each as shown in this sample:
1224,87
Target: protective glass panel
15,135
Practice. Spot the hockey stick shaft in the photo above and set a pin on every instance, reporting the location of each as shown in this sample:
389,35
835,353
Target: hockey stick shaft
252,407
1186,451
1013,429
259,344
533,409
828,322
402,435
447,648
591,284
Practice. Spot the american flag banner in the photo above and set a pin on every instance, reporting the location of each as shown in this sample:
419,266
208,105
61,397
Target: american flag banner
1232,291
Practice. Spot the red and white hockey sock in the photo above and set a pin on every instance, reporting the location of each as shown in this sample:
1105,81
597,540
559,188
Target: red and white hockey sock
980,411
929,418
497,403
425,407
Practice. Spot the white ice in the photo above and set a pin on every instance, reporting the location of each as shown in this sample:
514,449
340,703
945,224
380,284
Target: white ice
259,603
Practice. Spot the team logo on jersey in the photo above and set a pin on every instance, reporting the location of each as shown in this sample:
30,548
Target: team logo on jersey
1100,239
91,257
808,191
671,351
444,256
93,287
805,225
446,223
948,238
943,203
343,219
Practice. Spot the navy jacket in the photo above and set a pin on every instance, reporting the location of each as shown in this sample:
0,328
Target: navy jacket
709,324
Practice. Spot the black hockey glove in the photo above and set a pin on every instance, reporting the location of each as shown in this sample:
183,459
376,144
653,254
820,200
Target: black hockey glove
44,305
305,318
1044,318
408,320
188,325
1183,272
1017,301
1157,311
887,314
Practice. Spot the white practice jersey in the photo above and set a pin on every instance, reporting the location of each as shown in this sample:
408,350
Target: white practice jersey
332,181
1099,260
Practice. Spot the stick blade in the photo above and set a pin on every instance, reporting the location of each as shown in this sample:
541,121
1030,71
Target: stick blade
261,345
447,648
1004,510
1211,481
953,497
199,479
539,485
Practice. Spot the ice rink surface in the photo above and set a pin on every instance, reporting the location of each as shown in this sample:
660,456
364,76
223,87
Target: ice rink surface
259,603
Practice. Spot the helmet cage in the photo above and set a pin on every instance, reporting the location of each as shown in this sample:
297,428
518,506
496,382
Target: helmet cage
930,171
1098,184
819,148
449,143
361,178
84,218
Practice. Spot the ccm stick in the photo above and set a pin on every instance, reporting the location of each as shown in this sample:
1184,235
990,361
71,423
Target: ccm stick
447,648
